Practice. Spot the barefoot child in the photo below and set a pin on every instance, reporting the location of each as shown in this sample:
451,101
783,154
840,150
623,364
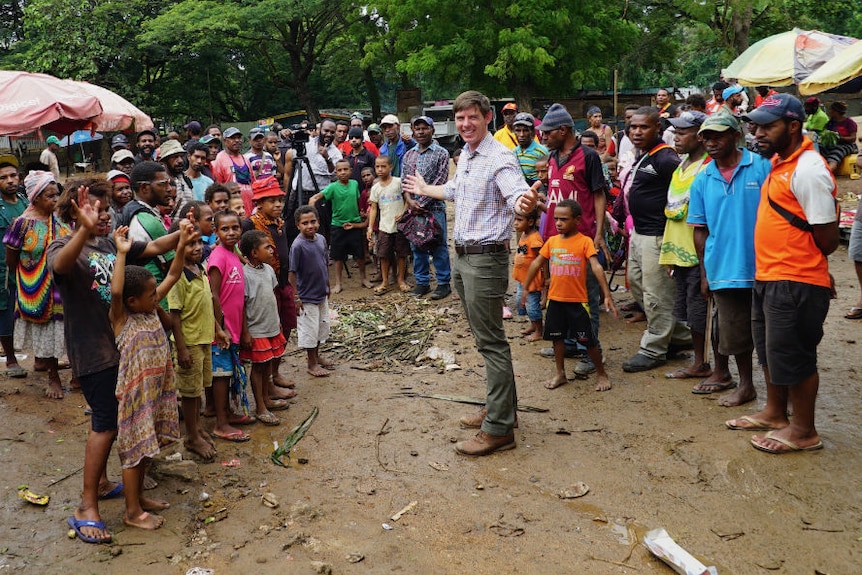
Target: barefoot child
387,202
347,224
146,390
568,254
228,285
309,276
263,343
193,327
529,244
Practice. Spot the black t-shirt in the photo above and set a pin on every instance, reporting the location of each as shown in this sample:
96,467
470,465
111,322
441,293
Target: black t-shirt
648,193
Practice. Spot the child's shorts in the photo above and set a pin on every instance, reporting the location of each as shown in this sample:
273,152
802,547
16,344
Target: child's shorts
99,390
7,316
222,360
264,349
192,381
312,325
346,243
569,319
388,244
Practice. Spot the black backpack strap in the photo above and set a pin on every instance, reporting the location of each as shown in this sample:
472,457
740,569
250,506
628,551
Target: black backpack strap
793,220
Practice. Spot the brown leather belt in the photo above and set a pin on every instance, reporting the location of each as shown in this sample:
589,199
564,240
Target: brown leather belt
481,249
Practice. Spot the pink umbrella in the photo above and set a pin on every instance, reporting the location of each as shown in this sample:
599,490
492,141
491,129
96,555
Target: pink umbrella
117,112
29,102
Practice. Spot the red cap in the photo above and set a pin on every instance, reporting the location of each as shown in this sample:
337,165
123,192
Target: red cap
266,188
511,106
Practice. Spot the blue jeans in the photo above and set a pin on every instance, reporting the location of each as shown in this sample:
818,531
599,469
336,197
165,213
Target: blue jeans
533,310
440,255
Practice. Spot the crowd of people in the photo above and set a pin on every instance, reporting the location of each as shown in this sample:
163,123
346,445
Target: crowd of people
159,281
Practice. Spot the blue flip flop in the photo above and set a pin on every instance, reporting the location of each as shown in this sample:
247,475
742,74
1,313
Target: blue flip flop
117,491
76,524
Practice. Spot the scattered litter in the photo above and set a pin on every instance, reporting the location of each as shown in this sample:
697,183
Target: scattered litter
438,466
579,489
200,571
404,510
30,497
665,548
269,500
387,527
204,496
174,457
355,557
293,438
232,463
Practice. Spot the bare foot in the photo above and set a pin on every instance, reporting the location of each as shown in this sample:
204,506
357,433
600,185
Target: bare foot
149,482
603,383
281,393
317,371
145,520
535,336
636,317
149,504
325,362
739,397
200,448
528,330
208,413
367,284
207,438
54,390
556,382
336,289
279,381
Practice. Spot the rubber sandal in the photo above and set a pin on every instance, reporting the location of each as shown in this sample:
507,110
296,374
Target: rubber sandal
76,524
854,313
236,437
268,419
17,372
117,491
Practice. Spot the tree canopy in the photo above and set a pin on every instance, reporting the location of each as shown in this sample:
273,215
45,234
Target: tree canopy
248,59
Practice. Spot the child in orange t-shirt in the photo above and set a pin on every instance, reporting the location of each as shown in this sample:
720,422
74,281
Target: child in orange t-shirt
568,255
529,244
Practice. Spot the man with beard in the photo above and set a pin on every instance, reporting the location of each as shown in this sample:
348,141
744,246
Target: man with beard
375,136
506,134
341,129
430,160
796,229
146,146
12,205
123,160
151,185
198,154
651,286
528,149
214,146
173,157
231,166
322,155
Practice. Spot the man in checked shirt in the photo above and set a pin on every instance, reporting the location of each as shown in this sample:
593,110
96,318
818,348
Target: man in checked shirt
488,188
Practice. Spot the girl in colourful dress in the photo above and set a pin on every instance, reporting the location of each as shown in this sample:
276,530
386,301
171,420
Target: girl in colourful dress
146,389
38,308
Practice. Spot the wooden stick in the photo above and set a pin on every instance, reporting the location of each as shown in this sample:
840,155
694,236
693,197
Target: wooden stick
404,510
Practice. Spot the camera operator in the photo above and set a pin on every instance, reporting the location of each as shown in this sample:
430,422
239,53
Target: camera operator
322,154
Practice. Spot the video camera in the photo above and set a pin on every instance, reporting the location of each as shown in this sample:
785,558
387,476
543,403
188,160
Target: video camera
299,136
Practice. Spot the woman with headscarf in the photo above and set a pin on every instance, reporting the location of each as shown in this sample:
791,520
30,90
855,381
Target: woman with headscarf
38,308
594,117
845,142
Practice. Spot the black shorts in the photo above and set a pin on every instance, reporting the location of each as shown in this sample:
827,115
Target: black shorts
689,305
734,321
346,243
392,244
565,319
99,390
787,323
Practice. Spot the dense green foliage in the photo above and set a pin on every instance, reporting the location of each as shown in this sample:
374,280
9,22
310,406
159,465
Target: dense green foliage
247,59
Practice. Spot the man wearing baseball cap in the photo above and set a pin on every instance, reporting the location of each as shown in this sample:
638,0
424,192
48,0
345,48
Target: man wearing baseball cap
506,134
49,156
394,145
172,156
262,163
722,210
119,142
528,149
796,229
431,160
231,166
123,160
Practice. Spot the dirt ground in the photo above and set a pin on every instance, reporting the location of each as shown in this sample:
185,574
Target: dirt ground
652,454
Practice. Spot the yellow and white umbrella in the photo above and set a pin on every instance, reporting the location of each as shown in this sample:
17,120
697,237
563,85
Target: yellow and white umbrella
786,58
841,69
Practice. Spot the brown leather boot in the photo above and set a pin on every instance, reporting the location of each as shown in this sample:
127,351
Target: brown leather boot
485,444
474,421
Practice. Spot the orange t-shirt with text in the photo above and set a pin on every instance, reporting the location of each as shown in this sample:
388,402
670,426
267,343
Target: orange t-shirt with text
524,257
568,258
